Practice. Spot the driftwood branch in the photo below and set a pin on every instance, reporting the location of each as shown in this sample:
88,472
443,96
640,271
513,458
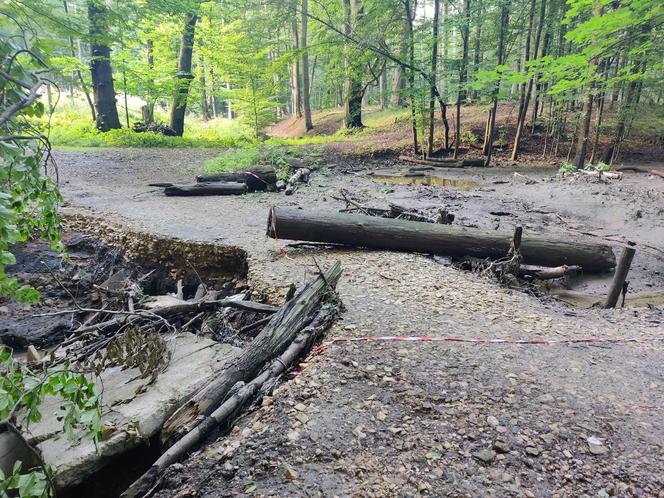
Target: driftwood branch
227,410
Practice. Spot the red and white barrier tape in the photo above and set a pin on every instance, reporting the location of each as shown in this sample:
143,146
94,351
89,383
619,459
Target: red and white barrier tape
545,342
518,342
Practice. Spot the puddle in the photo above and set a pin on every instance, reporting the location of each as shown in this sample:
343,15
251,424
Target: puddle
426,180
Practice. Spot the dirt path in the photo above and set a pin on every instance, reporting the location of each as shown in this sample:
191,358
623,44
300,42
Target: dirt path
385,419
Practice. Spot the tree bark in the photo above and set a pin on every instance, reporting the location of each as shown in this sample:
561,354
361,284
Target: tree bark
306,102
528,87
434,65
184,76
618,283
204,99
491,125
100,68
256,178
353,12
463,75
272,341
411,74
449,240
296,87
197,189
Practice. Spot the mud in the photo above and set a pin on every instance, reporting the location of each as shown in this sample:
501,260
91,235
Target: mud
386,419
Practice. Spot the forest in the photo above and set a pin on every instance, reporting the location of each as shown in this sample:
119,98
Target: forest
331,247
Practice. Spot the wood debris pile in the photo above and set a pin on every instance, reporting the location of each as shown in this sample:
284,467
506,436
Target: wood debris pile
255,179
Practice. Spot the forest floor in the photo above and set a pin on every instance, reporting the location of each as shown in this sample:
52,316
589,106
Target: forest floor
403,418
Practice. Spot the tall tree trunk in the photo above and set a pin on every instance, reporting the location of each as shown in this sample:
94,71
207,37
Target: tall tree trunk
353,12
584,129
296,87
84,85
184,76
382,87
621,120
504,21
463,75
434,64
539,87
100,68
204,100
147,110
306,102
411,74
477,55
528,87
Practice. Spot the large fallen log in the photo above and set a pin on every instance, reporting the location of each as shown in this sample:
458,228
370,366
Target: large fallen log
256,178
448,240
637,169
217,188
263,384
444,162
273,339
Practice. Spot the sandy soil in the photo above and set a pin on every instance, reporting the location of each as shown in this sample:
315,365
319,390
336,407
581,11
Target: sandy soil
444,419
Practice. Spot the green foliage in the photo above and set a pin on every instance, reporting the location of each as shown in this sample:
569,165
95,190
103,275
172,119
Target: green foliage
28,199
33,484
598,167
276,153
566,168
22,393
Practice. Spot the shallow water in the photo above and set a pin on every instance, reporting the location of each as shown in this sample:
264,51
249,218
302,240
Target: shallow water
426,180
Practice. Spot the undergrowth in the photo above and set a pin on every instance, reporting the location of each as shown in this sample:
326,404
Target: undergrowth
76,129
278,153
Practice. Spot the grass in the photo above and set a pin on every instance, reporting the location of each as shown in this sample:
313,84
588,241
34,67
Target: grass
73,128
283,157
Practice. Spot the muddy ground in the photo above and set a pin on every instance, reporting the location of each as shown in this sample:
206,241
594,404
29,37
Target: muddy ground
444,419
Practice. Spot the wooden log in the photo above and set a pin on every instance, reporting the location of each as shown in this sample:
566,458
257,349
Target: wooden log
272,340
638,169
620,275
217,188
244,392
446,240
542,273
256,178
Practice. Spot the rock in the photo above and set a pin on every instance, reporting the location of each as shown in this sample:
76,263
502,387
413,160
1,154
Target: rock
486,456
290,474
545,398
381,415
359,432
293,435
533,451
501,446
33,355
492,421
596,446
300,407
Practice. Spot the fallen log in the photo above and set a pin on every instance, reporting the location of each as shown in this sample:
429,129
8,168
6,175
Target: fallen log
244,392
448,240
218,188
638,169
272,340
444,162
256,178
548,273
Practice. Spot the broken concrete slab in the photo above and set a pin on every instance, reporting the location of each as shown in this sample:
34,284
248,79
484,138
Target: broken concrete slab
133,412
